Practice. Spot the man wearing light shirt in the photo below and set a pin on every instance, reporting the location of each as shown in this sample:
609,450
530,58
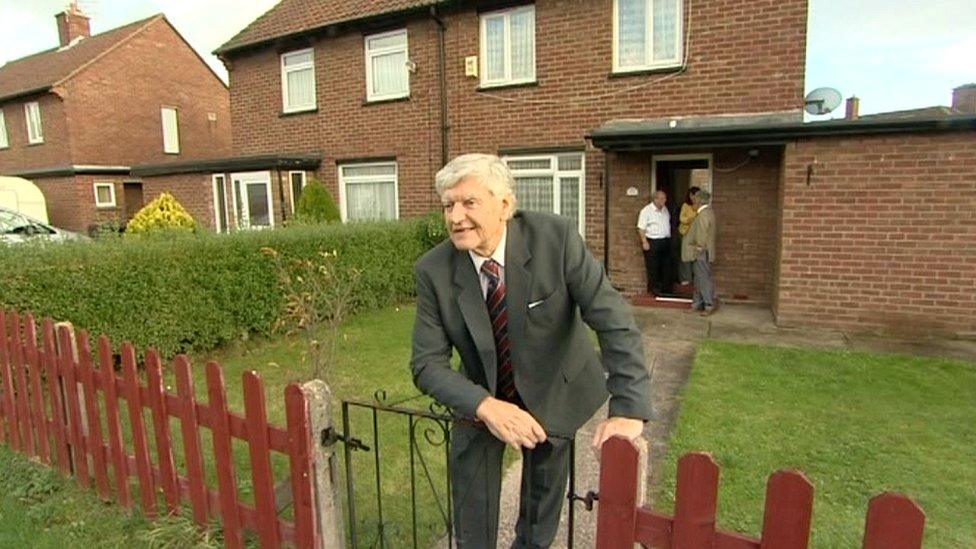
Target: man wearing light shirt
654,228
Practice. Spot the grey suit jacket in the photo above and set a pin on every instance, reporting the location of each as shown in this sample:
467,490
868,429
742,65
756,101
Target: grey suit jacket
558,373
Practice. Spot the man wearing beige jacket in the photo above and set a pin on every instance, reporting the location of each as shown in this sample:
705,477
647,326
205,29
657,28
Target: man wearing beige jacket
698,246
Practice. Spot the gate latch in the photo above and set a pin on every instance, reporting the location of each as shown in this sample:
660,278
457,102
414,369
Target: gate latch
587,500
330,436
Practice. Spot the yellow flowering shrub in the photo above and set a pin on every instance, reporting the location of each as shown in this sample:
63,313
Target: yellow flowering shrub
163,213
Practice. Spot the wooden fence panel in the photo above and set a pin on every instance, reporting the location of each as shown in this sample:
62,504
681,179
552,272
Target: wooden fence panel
300,464
6,384
147,488
55,396
255,411
696,499
96,444
20,385
789,511
108,382
38,417
224,451
190,429
69,387
894,521
617,513
164,444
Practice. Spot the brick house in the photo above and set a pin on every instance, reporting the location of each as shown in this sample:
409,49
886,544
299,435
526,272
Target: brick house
584,99
75,119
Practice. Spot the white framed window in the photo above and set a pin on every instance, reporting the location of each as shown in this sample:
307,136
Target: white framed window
553,183
369,192
104,194
4,143
647,34
171,130
298,80
32,113
252,200
296,182
508,46
387,76
221,213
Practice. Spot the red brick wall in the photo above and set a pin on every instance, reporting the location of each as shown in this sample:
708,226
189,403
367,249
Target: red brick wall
745,195
744,57
193,191
114,105
56,148
882,237
71,201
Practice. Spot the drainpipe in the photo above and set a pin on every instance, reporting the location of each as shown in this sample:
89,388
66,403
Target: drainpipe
606,213
442,70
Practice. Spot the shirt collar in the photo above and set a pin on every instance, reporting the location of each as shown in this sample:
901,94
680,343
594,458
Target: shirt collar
498,255
702,207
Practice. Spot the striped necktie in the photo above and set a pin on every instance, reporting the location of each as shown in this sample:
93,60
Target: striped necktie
498,313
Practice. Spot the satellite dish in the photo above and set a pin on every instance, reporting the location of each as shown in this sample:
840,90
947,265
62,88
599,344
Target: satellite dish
822,101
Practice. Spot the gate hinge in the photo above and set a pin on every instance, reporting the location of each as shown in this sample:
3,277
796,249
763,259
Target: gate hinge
330,436
587,500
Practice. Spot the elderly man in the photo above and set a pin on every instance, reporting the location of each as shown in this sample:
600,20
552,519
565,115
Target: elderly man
654,229
510,292
698,247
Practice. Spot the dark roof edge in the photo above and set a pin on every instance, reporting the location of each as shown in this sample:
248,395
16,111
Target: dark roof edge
237,48
747,134
59,171
25,93
235,163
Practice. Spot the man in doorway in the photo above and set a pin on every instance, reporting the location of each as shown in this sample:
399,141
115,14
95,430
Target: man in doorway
654,229
513,293
698,247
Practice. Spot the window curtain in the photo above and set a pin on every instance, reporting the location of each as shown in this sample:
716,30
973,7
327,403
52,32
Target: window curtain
569,198
301,87
523,44
370,201
665,29
534,194
390,73
495,48
631,32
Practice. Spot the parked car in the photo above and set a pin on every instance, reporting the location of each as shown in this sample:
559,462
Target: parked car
16,228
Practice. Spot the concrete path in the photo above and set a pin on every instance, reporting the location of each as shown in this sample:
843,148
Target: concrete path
670,338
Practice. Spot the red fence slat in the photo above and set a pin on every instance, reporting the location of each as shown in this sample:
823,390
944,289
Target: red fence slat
789,511
696,499
147,488
224,452
58,408
69,383
617,511
95,443
190,428
38,417
255,410
6,385
894,521
164,444
113,422
20,379
300,463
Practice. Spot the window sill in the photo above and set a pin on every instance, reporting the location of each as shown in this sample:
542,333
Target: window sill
644,72
493,87
370,102
285,114
106,207
177,153
34,144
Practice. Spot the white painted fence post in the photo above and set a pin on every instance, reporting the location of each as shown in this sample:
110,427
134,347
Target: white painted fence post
326,475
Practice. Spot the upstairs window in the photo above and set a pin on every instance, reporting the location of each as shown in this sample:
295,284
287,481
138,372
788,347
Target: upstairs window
646,34
3,131
298,81
508,47
386,66
550,183
32,113
171,130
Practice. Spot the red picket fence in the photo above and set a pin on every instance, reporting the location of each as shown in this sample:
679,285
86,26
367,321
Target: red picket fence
52,395
893,521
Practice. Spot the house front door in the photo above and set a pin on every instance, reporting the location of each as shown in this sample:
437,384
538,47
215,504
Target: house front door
252,200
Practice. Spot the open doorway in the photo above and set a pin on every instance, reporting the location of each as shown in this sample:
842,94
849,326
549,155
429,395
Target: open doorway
133,199
675,175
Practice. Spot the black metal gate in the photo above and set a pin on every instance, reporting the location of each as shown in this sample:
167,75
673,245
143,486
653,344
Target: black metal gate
382,479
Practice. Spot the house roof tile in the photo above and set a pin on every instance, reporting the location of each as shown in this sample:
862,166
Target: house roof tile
295,16
47,68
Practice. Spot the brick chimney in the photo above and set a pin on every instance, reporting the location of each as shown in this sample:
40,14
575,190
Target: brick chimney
964,99
72,24
853,104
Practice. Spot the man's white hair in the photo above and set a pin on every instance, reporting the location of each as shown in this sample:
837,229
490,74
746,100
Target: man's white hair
486,168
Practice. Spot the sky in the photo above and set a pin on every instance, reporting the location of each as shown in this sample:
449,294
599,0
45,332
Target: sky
892,54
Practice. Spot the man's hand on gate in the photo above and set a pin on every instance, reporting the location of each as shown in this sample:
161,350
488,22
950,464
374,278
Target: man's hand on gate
510,424
623,426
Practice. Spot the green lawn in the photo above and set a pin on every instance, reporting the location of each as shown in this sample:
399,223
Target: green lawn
856,423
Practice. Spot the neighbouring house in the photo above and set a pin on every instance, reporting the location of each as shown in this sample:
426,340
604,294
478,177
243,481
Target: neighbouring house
75,119
594,105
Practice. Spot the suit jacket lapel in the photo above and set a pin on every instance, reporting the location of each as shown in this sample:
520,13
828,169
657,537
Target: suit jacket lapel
518,282
471,301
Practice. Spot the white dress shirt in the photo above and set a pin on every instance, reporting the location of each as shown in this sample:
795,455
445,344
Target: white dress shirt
654,222
498,256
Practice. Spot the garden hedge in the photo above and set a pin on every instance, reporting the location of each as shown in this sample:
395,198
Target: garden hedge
193,292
